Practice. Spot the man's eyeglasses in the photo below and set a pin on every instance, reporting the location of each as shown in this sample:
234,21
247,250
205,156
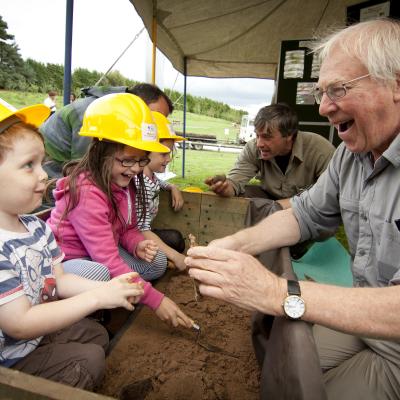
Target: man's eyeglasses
335,91
130,162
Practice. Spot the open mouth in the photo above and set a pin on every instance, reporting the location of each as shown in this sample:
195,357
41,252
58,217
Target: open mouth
128,176
344,126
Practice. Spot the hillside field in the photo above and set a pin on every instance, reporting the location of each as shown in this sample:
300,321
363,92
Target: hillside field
222,129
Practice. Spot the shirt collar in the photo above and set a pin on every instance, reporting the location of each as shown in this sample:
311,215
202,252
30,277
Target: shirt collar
297,149
392,153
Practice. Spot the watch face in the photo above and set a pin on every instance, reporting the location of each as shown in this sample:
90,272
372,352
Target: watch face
294,306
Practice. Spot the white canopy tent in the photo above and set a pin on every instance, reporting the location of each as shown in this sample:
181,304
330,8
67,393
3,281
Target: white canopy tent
234,38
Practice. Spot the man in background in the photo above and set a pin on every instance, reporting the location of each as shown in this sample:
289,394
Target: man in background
285,159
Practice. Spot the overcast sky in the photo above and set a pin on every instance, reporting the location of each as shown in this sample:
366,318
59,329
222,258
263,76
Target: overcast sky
102,30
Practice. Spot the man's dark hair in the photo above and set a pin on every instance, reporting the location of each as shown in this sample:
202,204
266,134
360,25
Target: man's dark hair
150,94
278,116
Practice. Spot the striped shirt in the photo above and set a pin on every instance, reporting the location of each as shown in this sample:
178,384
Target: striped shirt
26,269
152,187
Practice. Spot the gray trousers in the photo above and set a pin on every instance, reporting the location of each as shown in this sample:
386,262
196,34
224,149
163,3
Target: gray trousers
74,356
357,368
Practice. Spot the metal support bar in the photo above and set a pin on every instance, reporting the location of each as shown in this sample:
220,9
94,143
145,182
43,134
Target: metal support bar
68,51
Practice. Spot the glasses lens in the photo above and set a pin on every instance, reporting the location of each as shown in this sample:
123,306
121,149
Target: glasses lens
144,162
336,92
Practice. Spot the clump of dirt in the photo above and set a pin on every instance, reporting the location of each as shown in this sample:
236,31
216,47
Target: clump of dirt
154,362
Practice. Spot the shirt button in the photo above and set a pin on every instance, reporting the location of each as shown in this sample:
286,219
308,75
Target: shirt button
361,252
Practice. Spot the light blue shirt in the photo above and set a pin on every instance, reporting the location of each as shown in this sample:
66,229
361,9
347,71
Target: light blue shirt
366,197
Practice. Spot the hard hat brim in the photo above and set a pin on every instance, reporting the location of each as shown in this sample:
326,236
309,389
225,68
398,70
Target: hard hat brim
155,146
33,115
175,138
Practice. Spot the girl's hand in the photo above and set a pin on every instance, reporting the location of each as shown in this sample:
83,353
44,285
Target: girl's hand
170,313
177,198
179,262
121,291
146,250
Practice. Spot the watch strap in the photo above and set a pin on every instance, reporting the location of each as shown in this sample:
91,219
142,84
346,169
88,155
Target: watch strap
293,288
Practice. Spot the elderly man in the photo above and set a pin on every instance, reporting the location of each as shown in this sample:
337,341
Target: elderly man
285,159
60,131
357,330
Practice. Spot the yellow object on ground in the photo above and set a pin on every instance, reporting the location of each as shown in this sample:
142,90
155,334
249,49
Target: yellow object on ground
192,189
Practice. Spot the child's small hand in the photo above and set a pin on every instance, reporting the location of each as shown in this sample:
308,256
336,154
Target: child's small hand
170,313
179,262
121,291
177,198
146,250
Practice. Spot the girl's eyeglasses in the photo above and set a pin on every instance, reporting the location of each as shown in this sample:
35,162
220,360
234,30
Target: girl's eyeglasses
131,162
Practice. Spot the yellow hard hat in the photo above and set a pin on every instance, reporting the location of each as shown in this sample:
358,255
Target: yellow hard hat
33,115
123,118
164,127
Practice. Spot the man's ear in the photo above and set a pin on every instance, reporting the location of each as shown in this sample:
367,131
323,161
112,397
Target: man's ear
396,89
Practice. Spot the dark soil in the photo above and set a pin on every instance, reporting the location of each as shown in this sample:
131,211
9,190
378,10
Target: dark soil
154,362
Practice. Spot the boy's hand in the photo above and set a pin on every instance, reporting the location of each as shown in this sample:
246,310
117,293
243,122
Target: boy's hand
146,250
176,198
170,313
121,291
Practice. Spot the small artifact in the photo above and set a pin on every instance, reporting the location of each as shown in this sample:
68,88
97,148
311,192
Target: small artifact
218,178
192,243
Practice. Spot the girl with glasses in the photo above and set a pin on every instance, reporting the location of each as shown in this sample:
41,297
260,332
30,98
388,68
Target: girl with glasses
94,219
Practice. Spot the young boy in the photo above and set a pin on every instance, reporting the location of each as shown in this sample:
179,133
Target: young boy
40,334
170,241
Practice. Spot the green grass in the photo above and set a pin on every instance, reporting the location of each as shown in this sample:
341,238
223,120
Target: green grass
199,165
206,125
24,99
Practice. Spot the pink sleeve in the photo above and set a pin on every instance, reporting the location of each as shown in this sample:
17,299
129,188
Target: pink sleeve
130,239
151,297
90,219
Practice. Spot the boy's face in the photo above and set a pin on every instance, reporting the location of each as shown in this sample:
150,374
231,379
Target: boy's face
159,161
122,175
22,177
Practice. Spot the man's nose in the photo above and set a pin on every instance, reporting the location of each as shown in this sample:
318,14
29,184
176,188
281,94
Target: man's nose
326,105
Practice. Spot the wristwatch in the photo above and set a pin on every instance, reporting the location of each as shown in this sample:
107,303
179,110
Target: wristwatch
294,306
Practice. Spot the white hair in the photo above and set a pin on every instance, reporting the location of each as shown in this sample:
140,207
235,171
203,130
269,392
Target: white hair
376,44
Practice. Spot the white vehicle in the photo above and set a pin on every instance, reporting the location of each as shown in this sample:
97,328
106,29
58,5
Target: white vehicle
247,128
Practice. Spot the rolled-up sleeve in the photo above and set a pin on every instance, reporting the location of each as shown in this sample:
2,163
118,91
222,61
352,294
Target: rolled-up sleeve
317,210
246,168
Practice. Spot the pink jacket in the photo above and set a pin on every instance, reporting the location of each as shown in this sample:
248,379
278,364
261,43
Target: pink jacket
90,231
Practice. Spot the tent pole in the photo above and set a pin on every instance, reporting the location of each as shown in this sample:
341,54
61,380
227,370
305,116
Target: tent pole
184,114
154,40
68,51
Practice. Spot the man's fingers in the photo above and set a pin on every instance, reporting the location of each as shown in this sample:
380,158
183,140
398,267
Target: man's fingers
212,291
213,253
207,277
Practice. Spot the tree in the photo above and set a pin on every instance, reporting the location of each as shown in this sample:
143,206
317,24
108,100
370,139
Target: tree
12,67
